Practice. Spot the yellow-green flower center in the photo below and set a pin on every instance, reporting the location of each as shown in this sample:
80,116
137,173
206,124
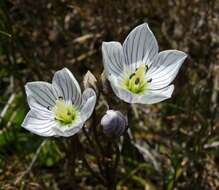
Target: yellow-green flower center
136,82
64,113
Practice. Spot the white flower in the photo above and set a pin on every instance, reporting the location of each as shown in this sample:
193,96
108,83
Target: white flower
58,109
136,71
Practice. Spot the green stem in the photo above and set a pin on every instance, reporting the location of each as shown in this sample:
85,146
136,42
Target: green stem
95,174
97,155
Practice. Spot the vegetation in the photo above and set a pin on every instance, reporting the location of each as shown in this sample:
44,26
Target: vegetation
176,140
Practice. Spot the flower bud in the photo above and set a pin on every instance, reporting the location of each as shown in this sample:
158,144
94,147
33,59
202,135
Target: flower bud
90,81
114,123
105,84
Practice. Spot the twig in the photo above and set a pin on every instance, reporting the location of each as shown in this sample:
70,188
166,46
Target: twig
5,109
146,153
9,123
99,178
5,33
212,145
86,37
215,91
82,56
32,162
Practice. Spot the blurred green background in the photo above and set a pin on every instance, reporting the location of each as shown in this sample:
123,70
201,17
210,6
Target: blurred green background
39,37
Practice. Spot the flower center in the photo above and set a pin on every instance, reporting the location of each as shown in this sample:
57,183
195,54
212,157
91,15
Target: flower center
136,82
64,113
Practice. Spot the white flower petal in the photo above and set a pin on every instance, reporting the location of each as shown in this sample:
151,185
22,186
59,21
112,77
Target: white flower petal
68,130
150,96
68,86
39,123
164,70
119,91
40,93
155,96
140,46
88,103
113,58
123,94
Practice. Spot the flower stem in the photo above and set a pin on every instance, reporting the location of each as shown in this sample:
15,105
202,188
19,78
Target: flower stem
95,174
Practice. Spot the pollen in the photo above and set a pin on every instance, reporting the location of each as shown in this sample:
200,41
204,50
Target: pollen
65,113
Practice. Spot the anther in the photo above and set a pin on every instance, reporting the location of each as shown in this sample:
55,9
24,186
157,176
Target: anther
137,81
150,80
60,98
48,107
146,68
132,75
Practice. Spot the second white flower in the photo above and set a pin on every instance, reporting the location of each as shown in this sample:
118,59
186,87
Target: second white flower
137,72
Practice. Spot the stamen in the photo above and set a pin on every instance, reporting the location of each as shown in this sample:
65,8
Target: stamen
146,68
132,75
60,98
150,80
137,81
48,108
64,113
